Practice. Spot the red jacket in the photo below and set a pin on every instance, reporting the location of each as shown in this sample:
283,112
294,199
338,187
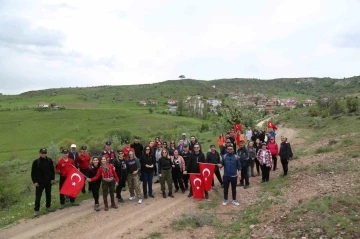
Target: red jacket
126,152
111,173
64,167
274,148
84,161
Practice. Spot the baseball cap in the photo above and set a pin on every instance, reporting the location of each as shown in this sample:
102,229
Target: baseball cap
137,137
108,142
127,142
228,141
43,151
64,151
83,147
73,146
183,134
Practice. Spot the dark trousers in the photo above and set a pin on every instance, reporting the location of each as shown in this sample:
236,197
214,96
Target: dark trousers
38,193
274,158
86,173
285,164
95,187
186,180
257,163
108,188
178,179
62,196
244,172
120,186
218,176
265,173
227,180
147,182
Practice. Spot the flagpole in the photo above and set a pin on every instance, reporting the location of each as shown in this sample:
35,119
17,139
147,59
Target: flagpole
79,171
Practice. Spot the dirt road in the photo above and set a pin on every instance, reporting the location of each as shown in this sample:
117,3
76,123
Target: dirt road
131,220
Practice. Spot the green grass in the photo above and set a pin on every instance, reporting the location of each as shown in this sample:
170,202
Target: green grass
324,149
154,235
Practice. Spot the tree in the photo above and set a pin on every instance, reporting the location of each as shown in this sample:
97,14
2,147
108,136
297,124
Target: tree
180,105
352,104
151,110
336,108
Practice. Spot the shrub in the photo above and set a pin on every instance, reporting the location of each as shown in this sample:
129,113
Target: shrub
7,191
53,151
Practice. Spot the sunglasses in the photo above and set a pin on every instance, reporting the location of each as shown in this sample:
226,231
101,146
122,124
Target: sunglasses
196,147
147,149
164,152
43,153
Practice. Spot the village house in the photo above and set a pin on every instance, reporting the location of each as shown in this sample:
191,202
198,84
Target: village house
173,108
153,102
43,105
214,102
308,102
142,103
171,102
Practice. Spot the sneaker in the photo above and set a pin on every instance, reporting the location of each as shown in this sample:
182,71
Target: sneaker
75,204
62,206
96,207
49,209
36,213
131,198
235,202
225,202
140,201
150,195
120,200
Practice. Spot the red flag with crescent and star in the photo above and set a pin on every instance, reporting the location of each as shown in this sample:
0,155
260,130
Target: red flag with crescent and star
207,172
271,125
237,127
197,185
73,184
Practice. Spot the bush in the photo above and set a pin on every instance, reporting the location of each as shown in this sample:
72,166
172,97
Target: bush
66,143
7,191
53,151
323,149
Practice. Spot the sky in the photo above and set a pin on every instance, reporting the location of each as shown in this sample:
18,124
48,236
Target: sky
51,44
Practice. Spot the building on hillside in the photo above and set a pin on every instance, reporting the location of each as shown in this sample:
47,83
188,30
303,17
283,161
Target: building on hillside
308,102
43,105
173,108
153,102
214,102
171,102
142,103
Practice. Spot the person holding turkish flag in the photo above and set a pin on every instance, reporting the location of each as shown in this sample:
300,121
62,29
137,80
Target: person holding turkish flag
63,166
74,182
207,173
197,185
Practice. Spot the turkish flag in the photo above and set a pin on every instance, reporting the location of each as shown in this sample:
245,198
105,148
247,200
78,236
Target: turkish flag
73,184
197,185
271,125
237,127
237,139
207,172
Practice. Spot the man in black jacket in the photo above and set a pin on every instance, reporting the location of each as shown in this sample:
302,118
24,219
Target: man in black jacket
213,157
137,147
243,155
43,176
193,167
285,154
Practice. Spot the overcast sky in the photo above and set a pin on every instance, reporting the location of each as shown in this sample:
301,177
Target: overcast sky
50,43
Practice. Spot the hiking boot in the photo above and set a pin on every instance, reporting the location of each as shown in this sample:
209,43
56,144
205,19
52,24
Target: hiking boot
36,213
171,195
96,207
235,203
140,201
49,209
190,195
150,195
145,196
113,205
106,207
206,196
75,204
62,206
225,202
164,194
120,200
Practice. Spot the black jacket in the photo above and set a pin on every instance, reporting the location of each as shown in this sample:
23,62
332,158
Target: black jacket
75,157
213,158
138,149
186,157
285,150
42,170
120,168
193,166
164,164
243,155
149,160
93,171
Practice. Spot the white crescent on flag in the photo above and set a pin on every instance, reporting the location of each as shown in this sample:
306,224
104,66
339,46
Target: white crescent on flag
203,173
197,179
76,175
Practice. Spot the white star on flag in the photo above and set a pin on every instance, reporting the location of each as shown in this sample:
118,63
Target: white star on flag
73,183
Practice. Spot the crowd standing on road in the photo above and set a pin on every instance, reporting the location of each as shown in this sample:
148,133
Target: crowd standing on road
239,156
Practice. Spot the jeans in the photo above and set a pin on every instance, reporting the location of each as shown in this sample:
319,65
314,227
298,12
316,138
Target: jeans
95,187
227,180
285,164
265,173
274,158
147,182
62,196
244,172
38,194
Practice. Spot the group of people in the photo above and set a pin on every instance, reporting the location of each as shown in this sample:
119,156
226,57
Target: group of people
170,163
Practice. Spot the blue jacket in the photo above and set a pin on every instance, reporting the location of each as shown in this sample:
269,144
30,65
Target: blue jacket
231,165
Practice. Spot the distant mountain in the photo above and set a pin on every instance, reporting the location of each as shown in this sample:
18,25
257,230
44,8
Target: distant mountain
296,87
